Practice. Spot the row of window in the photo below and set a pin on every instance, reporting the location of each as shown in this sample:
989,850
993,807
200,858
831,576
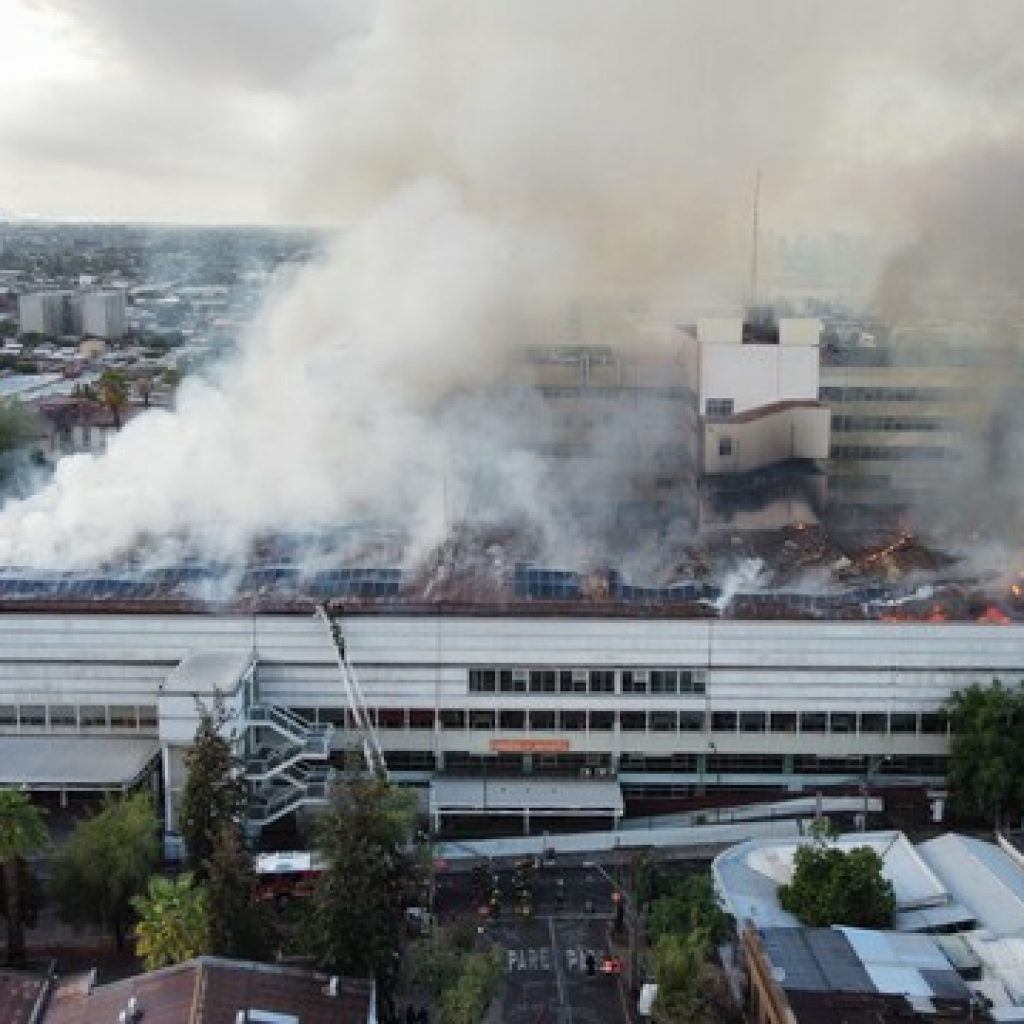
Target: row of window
915,423
882,453
893,394
78,716
584,680
578,720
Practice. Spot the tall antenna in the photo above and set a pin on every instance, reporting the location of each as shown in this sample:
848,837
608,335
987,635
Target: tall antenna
754,238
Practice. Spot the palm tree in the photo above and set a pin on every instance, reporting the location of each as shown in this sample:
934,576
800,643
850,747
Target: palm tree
22,833
113,391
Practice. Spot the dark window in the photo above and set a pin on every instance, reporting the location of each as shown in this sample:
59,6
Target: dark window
725,447
602,680
543,721
421,718
64,716
35,715
933,723
93,716
481,719
509,719
719,408
902,722
123,716
602,721
391,718
573,721
452,718
633,721
634,681
663,721
844,721
482,680
691,721
690,681
513,680
783,721
813,721
664,681
147,716
8,714
723,721
874,722
572,681
752,721
542,681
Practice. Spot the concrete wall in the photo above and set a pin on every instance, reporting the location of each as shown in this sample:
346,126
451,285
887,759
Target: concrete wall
795,433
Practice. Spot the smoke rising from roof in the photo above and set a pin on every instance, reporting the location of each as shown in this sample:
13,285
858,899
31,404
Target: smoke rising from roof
494,165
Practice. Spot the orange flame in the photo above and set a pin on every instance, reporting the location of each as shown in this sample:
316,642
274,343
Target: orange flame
994,616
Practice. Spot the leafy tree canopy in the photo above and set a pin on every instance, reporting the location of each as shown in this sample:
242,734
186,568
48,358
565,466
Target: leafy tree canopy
22,832
689,907
214,795
833,886
173,923
106,863
986,769
239,926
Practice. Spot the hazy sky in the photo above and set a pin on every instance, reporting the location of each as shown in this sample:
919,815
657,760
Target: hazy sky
226,110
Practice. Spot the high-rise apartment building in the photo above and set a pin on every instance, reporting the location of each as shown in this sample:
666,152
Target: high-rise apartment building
46,313
103,314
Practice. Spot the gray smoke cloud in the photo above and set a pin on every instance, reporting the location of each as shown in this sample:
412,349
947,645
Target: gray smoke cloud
492,166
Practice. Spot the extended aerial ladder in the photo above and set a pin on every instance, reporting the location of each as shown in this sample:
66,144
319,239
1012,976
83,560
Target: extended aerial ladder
372,752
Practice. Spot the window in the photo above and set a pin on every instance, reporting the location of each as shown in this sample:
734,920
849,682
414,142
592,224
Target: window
719,408
452,718
8,715
872,722
573,721
33,715
93,716
391,718
783,721
123,716
572,680
813,721
509,719
691,721
421,718
542,721
63,716
481,719
602,681
844,721
602,721
147,716
725,447
663,721
723,721
752,721
513,680
482,680
903,722
664,681
542,681
633,721
691,681
935,723
634,681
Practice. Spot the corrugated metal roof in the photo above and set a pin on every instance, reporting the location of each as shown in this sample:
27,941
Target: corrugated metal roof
77,762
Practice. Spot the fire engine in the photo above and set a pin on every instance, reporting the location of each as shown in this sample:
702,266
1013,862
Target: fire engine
287,876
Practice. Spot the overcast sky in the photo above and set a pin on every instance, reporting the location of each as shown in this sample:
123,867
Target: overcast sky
243,110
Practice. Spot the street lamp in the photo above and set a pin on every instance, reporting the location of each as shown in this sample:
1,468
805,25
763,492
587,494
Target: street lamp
634,919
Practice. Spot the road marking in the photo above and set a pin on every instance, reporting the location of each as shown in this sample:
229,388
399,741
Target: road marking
565,1010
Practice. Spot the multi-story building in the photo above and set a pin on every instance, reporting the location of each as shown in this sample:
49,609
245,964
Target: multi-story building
51,313
103,314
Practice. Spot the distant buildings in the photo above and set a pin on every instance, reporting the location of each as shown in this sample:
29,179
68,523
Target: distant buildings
50,313
98,313
103,314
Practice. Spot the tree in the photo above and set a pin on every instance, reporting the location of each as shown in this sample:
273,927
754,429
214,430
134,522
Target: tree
690,989
466,1000
214,793
106,863
238,924
22,832
355,914
689,907
174,923
17,425
113,392
986,768
833,886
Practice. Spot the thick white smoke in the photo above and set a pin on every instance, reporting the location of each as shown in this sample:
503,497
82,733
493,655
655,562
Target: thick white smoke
492,164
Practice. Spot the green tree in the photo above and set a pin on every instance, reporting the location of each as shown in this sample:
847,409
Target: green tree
22,832
355,915
689,907
18,425
106,863
113,391
986,767
467,999
239,926
214,793
173,921
690,989
833,886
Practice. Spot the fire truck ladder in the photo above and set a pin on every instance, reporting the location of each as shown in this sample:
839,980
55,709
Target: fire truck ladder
356,701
